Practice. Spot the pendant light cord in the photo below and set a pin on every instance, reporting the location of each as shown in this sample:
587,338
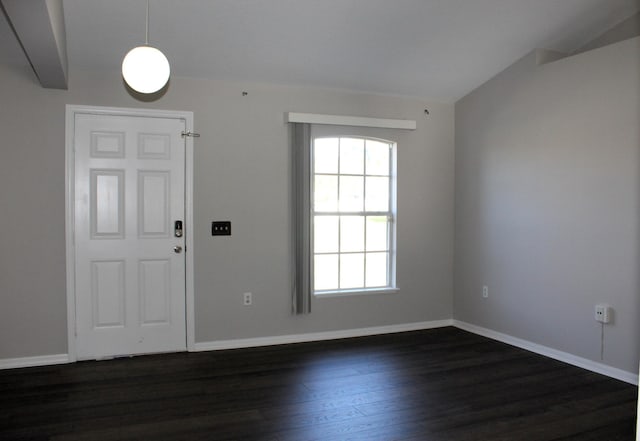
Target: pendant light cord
146,36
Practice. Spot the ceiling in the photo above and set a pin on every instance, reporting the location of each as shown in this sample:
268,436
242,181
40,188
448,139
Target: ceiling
438,49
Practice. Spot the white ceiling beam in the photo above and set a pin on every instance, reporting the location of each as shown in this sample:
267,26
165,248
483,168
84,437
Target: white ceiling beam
39,26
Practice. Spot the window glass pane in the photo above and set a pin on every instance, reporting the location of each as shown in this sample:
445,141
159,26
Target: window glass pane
325,271
352,250
352,156
351,193
351,271
325,193
325,155
377,158
351,233
325,233
377,270
377,194
377,233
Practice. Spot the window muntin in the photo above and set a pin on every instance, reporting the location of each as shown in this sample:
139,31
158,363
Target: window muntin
352,214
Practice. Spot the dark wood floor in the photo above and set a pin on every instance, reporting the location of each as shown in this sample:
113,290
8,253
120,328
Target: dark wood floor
441,384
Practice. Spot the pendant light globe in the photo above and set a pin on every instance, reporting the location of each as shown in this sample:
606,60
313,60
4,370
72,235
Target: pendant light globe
145,69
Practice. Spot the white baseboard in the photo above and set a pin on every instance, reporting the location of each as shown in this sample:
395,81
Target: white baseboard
317,336
600,368
42,360
585,363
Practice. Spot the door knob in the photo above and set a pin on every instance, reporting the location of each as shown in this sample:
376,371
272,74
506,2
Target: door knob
177,249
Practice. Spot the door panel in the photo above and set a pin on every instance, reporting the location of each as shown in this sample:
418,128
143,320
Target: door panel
107,204
155,297
107,293
153,211
129,190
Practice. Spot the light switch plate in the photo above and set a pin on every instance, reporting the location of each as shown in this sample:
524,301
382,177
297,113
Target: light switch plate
221,228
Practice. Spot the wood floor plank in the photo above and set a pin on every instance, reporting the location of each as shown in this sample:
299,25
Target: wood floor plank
440,384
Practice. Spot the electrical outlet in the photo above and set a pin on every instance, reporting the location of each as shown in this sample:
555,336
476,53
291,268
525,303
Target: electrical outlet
603,313
247,299
485,291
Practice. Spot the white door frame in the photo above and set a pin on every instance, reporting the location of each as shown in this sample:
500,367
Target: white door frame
71,112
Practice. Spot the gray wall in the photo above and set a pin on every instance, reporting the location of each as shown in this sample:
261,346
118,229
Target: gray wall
548,202
242,175
628,28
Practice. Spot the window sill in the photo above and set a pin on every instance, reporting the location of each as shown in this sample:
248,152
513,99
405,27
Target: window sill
355,292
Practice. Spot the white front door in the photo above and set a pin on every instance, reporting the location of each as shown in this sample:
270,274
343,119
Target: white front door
129,257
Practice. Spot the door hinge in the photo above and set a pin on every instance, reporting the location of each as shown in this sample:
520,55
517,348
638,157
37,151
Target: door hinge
190,134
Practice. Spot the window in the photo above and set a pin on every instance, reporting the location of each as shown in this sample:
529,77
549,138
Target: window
352,212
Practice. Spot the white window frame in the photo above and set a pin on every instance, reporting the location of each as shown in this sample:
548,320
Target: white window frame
391,215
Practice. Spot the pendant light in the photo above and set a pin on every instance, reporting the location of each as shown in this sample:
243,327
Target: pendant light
145,68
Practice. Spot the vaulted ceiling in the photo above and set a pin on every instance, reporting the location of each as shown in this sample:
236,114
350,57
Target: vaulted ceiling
440,49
